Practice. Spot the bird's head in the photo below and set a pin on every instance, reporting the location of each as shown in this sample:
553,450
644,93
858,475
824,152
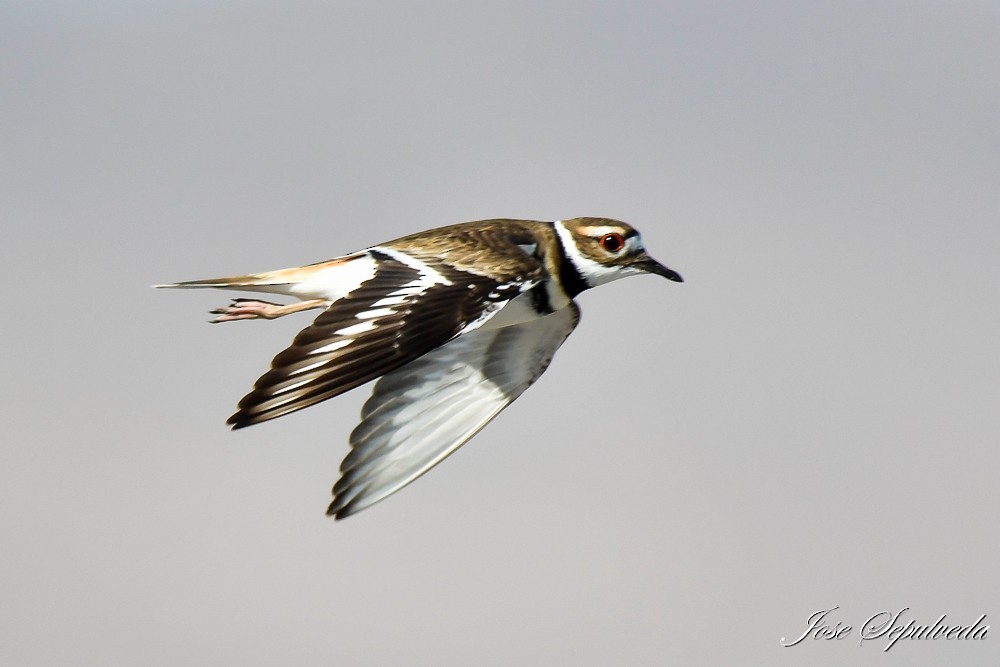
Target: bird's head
603,250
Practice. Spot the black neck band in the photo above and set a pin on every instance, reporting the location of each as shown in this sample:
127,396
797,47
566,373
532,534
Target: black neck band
572,280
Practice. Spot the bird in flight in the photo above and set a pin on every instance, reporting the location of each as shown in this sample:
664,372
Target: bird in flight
454,322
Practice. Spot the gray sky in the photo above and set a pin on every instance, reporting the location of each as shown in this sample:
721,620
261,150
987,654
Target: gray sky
810,421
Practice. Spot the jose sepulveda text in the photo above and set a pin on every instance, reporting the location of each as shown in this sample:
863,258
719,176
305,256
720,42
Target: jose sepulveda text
888,627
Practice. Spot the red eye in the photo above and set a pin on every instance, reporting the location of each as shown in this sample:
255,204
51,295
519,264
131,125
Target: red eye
612,242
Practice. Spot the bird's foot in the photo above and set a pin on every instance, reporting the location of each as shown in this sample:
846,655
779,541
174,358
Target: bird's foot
254,309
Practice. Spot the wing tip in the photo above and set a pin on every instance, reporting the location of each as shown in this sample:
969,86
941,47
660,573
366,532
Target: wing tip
240,420
350,499
339,512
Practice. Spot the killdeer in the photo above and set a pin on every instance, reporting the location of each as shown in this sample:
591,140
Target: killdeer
455,323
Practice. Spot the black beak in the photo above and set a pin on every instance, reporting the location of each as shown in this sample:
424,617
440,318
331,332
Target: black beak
650,265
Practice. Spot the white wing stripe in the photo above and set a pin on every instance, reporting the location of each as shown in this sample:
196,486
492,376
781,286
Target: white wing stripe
309,367
390,301
294,385
428,274
356,329
378,312
335,345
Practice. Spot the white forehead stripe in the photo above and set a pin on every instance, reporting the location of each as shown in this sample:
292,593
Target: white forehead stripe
601,231
593,272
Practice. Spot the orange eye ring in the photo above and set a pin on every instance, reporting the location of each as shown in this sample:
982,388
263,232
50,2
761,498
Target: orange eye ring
612,242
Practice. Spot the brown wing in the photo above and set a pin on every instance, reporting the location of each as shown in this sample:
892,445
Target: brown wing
405,310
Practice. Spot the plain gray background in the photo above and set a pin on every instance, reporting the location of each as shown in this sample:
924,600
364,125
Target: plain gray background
811,420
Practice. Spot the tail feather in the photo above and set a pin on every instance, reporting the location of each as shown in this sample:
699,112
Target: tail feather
321,280
232,282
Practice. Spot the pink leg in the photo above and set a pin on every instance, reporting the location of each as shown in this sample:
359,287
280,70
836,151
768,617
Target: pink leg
253,309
